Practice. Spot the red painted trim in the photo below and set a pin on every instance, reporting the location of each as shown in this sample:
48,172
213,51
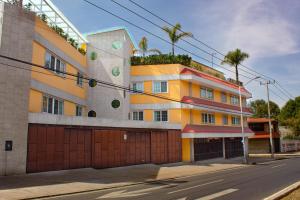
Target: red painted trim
212,78
214,129
199,101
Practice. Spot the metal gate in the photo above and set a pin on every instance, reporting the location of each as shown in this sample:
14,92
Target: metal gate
233,147
207,148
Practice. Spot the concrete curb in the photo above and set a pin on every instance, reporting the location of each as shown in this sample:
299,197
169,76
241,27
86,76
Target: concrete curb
128,185
284,192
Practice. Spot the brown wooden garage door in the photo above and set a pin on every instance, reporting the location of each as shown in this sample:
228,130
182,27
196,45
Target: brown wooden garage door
56,148
115,148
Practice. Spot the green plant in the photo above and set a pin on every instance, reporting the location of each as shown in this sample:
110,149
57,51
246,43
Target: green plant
235,58
143,45
174,36
73,42
28,6
161,59
43,17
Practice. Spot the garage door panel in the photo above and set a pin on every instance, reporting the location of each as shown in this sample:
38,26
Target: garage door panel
207,148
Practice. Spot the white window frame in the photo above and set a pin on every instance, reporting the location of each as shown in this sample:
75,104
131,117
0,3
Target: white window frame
206,93
81,107
235,119
153,88
138,115
53,105
160,115
141,83
234,100
62,65
212,115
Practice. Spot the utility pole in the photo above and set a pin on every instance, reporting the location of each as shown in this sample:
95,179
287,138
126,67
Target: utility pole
269,115
245,147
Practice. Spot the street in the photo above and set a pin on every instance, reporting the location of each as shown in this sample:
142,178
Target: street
254,182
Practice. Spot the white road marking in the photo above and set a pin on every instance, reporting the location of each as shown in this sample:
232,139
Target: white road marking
218,194
278,165
216,181
135,193
183,198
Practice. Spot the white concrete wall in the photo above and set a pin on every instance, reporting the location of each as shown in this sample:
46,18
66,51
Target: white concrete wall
290,145
17,30
100,97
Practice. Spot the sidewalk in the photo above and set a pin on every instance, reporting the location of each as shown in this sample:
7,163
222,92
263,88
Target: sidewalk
80,180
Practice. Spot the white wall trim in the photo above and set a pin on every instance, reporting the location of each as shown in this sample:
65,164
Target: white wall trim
189,77
214,135
44,118
36,85
176,105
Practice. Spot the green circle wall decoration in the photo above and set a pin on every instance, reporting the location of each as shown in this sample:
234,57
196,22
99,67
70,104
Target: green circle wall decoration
117,44
93,55
115,104
115,71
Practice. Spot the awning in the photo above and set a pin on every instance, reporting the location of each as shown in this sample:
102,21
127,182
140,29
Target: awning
207,131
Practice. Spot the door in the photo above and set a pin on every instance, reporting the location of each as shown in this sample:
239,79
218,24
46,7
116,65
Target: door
233,147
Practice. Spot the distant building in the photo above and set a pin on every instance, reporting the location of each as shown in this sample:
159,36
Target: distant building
260,142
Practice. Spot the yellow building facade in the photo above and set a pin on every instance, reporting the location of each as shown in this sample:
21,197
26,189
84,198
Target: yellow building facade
56,92
206,106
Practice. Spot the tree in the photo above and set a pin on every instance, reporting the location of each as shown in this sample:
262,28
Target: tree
174,36
143,45
290,115
235,58
260,109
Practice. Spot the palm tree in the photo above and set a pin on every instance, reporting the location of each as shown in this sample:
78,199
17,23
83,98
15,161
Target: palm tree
235,58
174,37
143,45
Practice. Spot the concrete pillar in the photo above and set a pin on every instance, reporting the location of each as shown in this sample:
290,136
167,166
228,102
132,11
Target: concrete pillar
224,148
192,150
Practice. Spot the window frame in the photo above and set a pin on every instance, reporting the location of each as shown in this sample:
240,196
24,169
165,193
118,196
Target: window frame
206,89
138,112
60,105
62,64
136,83
79,79
225,116
234,97
76,110
160,87
224,94
234,119
208,115
160,111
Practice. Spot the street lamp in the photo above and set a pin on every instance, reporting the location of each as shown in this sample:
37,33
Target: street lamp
242,119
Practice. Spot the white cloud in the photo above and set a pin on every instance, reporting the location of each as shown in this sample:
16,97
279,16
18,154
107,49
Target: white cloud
258,27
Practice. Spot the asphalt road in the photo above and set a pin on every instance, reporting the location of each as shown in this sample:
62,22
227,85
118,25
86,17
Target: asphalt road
254,182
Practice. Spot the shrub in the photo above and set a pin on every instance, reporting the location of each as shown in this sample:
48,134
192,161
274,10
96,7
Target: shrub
161,59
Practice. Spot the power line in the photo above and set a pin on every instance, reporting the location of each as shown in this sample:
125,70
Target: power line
208,46
143,29
107,84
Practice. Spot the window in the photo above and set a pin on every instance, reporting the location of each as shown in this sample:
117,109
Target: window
207,93
160,86
208,118
235,120
79,79
138,115
53,105
225,119
223,97
55,64
161,115
234,100
138,86
79,110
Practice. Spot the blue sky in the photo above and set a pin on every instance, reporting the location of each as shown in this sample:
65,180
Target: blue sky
268,30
